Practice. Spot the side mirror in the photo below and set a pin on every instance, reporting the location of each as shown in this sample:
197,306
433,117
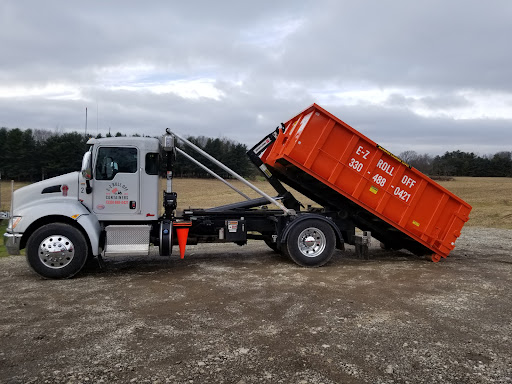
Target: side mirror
86,166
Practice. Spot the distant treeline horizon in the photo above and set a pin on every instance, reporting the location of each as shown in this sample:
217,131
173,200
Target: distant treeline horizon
35,154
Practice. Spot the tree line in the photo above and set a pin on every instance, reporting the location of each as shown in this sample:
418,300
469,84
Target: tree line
228,152
33,155
458,163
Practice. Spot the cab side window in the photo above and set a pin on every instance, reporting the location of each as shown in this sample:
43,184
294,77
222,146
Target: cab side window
114,160
152,163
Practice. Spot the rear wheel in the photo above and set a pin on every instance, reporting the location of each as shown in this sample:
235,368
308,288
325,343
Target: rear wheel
57,251
310,243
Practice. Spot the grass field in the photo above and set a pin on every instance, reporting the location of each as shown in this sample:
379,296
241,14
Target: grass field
5,193
3,225
491,197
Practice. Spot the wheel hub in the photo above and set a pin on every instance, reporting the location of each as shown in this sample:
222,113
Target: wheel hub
311,242
56,251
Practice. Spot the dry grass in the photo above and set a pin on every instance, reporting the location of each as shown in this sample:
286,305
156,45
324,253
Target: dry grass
5,193
491,197
199,193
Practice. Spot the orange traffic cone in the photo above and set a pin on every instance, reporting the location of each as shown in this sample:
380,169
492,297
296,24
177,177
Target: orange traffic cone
182,233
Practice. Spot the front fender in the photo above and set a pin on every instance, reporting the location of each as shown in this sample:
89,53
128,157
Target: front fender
59,210
70,208
92,227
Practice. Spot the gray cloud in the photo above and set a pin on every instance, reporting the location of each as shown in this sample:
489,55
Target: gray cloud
268,60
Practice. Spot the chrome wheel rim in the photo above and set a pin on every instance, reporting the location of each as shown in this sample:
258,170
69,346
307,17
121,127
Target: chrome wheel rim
311,242
56,251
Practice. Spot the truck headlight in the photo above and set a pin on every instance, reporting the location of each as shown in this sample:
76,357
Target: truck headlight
13,222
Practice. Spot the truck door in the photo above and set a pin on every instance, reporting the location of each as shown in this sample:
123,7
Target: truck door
116,181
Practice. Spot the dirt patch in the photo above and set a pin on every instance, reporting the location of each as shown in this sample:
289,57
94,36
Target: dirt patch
246,315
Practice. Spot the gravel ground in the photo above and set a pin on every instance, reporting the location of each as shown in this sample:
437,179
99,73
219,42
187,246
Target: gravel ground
229,314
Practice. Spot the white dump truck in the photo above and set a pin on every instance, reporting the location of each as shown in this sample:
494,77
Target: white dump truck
111,207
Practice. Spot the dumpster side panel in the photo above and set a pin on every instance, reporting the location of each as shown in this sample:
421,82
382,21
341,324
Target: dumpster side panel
356,167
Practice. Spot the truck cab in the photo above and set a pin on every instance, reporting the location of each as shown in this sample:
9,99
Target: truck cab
121,182
62,221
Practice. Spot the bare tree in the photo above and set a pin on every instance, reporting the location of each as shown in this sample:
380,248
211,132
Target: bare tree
41,135
422,162
408,156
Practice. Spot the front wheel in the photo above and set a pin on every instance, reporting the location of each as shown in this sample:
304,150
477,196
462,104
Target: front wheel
310,243
57,251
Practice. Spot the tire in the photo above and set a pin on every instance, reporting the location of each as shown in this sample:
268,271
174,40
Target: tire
57,251
310,243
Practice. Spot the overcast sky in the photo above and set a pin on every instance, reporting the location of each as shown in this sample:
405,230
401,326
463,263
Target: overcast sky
430,76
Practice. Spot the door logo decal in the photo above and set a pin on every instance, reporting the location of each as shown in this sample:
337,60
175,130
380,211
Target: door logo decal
117,193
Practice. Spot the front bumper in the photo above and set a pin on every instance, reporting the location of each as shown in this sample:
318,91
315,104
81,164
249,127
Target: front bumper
12,243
